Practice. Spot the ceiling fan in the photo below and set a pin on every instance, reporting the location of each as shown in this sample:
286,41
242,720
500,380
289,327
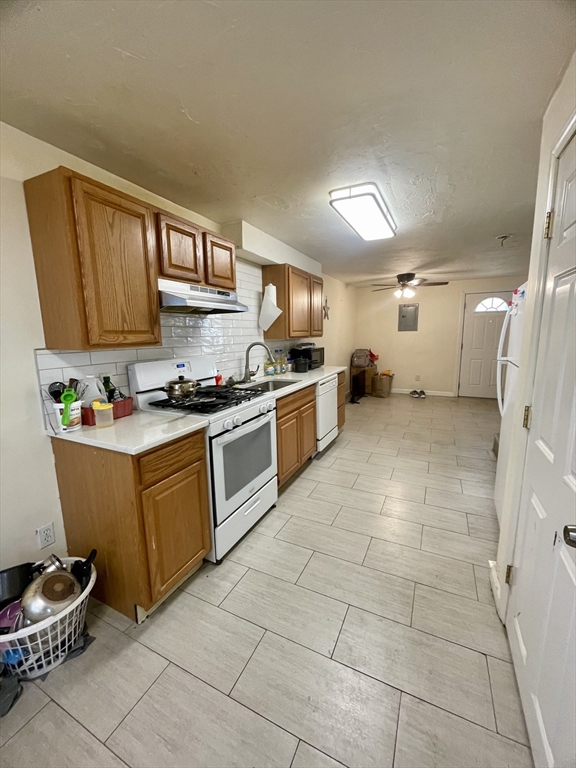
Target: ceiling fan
407,281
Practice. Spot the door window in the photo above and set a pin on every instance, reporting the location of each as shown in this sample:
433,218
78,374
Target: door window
493,304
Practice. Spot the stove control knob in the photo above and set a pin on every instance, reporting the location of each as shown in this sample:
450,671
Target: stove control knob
270,406
263,408
237,421
228,424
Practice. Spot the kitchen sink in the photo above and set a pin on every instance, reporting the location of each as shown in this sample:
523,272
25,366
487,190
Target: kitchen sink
271,386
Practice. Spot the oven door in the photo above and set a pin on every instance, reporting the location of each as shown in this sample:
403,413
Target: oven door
243,460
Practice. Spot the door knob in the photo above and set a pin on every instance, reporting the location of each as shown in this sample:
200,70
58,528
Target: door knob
570,535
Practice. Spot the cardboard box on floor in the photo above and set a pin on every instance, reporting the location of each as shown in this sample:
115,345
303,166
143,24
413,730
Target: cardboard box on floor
371,371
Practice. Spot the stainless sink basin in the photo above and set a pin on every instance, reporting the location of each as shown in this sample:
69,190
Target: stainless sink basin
270,386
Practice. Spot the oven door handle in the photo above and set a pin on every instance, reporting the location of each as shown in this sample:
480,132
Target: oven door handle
249,427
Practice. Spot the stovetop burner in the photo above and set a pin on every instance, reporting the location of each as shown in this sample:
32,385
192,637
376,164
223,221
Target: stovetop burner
209,399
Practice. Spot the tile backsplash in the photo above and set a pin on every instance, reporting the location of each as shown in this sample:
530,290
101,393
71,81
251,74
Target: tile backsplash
224,336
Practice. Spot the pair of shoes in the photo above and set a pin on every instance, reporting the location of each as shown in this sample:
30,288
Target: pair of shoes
421,393
415,393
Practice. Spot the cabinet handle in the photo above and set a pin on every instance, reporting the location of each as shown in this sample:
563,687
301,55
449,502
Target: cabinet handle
253,507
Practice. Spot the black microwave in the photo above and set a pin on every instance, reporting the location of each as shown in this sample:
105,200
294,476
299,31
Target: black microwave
314,355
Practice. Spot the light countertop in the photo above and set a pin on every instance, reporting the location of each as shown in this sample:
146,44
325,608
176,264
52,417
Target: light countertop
144,430
137,433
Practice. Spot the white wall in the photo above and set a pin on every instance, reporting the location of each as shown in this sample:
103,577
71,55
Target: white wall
433,350
560,111
28,490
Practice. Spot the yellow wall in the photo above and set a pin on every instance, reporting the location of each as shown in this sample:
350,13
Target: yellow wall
433,350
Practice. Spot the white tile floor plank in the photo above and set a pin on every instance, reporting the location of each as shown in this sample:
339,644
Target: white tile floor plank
483,527
309,508
208,642
460,502
272,522
509,715
343,713
428,737
308,618
101,686
331,476
181,721
270,555
359,498
308,757
357,585
442,673
438,458
323,538
427,480
389,488
379,526
483,588
366,468
29,704
213,582
482,490
459,547
300,487
436,517
462,473
426,568
460,620
53,739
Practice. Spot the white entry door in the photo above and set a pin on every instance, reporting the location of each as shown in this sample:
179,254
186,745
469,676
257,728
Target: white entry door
542,607
484,315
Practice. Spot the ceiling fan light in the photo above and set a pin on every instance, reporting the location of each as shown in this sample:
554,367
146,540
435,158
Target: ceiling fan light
363,208
398,293
408,293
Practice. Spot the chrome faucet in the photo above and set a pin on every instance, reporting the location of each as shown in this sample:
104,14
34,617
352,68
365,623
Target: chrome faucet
248,374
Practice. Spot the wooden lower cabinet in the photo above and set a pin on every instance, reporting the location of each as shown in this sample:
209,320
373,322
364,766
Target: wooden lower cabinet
295,431
177,527
147,515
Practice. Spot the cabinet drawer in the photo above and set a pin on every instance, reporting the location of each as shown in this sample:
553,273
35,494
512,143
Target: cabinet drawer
290,403
171,459
341,395
342,379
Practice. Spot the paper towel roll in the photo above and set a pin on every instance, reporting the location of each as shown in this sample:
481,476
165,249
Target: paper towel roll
269,311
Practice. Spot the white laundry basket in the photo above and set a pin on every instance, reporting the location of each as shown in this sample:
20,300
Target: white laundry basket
35,650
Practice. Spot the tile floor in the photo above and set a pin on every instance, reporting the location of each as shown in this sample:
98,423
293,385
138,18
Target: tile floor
353,627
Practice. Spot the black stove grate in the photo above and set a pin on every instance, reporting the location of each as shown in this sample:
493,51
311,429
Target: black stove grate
210,399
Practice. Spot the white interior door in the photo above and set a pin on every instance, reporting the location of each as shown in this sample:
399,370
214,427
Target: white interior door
482,326
542,607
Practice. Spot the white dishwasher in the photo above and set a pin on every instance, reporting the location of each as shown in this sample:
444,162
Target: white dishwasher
326,412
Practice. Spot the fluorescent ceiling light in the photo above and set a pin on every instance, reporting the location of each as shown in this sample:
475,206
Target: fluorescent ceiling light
364,209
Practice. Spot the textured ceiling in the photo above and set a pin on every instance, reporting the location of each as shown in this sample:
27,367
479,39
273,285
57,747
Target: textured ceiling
256,109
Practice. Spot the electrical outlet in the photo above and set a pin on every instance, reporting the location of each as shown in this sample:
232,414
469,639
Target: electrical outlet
45,536
418,377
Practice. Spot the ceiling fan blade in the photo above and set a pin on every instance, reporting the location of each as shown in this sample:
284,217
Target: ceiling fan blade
418,281
383,285
428,285
388,288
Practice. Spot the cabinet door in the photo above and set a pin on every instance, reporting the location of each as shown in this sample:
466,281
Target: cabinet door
220,262
117,250
180,249
299,303
341,416
177,526
307,417
288,444
316,313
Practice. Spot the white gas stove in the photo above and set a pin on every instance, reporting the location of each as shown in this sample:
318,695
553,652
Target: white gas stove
241,441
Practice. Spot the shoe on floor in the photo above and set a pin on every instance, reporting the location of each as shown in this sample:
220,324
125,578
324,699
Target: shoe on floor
421,393
414,393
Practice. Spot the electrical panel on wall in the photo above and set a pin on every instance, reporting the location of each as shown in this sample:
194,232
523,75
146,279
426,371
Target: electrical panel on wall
408,317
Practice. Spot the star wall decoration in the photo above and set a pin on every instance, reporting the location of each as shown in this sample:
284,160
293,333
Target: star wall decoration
326,309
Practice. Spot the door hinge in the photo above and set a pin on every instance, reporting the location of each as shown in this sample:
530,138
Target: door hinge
548,225
508,579
527,416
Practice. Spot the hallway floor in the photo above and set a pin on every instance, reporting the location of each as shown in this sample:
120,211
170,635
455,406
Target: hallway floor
353,627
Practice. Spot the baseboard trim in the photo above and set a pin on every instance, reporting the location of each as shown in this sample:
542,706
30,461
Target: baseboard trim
432,393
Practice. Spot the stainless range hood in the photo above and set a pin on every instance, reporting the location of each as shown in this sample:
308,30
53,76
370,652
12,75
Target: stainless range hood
185,299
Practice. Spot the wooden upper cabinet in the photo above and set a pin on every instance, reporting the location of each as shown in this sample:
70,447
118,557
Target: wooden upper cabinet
220,262
96,263
117,251
177,526
316,313
181,255
299,296
299,303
